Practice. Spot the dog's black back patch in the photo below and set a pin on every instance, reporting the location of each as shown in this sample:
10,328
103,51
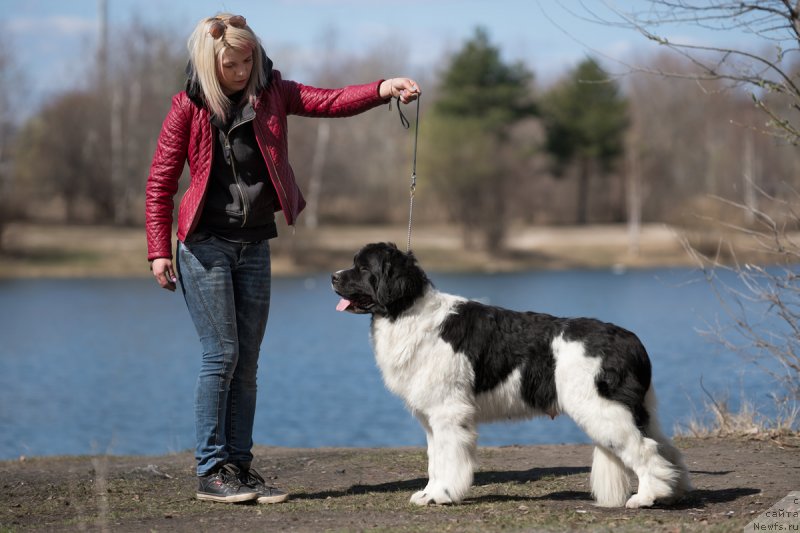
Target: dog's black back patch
497,341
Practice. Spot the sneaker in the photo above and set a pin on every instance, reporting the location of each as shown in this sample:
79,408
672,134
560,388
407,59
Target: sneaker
224,486
266,494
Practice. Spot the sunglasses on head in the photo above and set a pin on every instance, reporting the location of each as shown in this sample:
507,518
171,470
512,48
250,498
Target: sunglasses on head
217,27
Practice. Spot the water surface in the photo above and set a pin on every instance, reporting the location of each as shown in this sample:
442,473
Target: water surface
109,366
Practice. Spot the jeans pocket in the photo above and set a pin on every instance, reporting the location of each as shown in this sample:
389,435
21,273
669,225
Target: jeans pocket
199,237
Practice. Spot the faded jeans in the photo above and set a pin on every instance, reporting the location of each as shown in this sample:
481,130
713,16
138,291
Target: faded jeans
226,286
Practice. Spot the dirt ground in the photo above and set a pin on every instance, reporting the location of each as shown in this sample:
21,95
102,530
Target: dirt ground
528,488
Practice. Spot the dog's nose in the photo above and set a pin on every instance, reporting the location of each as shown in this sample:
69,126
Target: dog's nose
335,277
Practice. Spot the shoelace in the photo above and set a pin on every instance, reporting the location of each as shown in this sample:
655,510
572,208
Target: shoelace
255,476
230,476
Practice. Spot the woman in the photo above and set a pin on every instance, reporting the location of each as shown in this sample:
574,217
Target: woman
230,124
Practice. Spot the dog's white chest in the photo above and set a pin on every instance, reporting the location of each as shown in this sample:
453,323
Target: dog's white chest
415,362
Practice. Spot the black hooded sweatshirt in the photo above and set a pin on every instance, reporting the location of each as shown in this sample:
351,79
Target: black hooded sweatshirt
240,200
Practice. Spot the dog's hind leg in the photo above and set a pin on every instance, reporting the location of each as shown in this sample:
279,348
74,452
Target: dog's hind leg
611,426
452,443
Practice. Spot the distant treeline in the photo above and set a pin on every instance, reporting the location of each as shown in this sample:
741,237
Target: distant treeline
496,147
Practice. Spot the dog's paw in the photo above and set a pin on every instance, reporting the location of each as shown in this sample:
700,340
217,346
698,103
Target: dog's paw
434,496
637,500
421,498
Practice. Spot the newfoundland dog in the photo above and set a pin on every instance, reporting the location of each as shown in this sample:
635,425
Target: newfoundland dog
457,363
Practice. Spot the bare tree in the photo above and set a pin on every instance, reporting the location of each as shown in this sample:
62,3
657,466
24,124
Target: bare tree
769,75
763,306
8,75
352,170
148,68
764,323
90,147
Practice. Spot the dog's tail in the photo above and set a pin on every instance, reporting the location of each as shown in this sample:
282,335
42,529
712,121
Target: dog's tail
610,479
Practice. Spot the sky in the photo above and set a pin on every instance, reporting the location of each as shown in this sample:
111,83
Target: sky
52,40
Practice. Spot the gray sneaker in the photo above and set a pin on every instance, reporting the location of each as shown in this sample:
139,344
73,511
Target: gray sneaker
224,486
266,494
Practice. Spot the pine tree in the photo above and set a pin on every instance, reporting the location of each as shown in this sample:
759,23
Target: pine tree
481,98
585,118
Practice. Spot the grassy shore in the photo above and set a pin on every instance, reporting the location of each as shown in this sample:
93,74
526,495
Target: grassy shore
39,250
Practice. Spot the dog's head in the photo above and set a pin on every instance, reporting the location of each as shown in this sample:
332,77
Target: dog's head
383,281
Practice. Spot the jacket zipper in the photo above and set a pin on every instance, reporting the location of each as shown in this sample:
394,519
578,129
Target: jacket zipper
229,156
274,175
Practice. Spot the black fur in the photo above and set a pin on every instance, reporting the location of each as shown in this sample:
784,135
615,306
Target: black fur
497,341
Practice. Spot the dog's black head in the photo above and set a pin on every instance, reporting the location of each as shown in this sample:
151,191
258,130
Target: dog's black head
383,281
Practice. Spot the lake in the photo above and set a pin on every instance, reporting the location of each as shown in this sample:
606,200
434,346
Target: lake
109,365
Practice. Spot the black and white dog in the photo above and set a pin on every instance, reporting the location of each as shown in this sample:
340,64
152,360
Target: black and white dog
457,363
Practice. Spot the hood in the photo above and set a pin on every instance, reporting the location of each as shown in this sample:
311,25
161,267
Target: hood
193,87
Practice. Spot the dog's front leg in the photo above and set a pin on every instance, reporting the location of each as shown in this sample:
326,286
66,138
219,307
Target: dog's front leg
451,457
423,420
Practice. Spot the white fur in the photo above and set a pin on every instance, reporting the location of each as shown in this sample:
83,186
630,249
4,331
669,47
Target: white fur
504,402
437,383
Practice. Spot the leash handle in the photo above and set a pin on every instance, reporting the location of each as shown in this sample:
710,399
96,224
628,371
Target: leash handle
406,125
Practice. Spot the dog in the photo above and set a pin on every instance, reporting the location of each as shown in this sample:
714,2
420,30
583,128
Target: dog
457,363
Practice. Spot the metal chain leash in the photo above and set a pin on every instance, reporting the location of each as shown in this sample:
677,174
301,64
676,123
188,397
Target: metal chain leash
406,124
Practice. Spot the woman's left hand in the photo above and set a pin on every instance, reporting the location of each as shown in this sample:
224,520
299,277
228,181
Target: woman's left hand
405,88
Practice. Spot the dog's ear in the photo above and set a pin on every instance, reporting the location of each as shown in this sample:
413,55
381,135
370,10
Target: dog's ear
401,282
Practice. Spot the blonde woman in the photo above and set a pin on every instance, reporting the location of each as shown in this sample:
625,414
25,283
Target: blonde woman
230,125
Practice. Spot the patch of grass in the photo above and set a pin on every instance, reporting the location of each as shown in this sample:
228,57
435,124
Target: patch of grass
747,422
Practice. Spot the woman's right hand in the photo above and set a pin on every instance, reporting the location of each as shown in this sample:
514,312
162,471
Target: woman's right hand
164,273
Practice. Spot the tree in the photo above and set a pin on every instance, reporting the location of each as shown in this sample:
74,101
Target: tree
8,76
467,154
57,151
148,68
770,75
352,171
764,322
91,146
585,120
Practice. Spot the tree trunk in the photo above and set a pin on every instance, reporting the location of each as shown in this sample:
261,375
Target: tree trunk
749,178
582,215
315,181
634,200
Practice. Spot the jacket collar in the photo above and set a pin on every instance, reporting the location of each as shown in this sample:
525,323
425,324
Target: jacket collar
243,112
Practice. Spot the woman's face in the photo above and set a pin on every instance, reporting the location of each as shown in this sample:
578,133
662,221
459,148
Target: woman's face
233,69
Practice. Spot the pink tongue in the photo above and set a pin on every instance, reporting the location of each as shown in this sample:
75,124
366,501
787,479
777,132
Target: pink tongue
343,304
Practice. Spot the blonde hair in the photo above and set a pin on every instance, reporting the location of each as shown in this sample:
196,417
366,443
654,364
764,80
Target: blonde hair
205,52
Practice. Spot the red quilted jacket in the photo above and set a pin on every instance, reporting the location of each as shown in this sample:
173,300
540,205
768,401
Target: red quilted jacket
187,133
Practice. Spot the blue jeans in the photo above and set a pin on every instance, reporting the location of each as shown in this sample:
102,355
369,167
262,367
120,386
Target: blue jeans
226,286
